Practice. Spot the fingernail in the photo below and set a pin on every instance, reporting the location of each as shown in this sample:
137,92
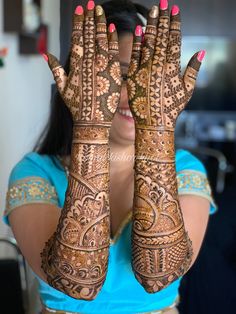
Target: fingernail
164,4
201,55
99,10
45,57
154,12
112,28
79,10
175,10
138,31
90,5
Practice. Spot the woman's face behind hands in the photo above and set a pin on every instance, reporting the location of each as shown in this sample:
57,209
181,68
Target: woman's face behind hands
123,128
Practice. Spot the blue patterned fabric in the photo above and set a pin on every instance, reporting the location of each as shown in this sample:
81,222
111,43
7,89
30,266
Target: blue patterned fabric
42,179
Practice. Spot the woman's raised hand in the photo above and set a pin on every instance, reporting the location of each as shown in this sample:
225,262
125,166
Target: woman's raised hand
75,259
157,90
91,90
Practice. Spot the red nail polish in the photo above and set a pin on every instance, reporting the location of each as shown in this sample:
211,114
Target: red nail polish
201,55
79,10
112,28
163,4
138,31
91,5
45,57
175,10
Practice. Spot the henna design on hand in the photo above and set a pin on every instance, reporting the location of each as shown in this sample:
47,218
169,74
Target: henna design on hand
75,258
161,248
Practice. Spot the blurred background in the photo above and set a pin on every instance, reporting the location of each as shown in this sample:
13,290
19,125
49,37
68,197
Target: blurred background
207,127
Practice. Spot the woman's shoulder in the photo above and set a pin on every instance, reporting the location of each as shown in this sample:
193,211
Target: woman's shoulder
37,159
33,180
185,160
34,164
192,177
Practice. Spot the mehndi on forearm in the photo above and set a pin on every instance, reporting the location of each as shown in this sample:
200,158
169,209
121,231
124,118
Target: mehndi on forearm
161,248
75,258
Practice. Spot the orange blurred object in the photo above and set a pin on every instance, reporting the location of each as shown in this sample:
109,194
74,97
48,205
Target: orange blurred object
3,52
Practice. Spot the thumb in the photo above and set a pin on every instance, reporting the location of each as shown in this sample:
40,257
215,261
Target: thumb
192,70
58,72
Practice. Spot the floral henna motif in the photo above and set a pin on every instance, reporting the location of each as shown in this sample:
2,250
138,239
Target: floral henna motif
157,76
161,248
75,258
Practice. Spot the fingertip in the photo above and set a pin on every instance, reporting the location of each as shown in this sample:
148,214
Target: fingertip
139,31
90,5
194,62
53,62
79,10
112,28
201,55
90,10
44,55
164,5
175,10
154,12
100,17
99,10
113,37
113,40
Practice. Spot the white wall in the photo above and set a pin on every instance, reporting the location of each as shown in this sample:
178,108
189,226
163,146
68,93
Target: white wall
25,84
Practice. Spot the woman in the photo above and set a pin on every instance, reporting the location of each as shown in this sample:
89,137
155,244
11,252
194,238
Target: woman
130,220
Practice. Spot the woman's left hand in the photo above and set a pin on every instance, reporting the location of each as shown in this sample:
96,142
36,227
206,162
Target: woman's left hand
157,91
161,248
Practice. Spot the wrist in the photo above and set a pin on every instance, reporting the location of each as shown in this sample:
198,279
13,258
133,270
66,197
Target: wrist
90,149
91,134
155,144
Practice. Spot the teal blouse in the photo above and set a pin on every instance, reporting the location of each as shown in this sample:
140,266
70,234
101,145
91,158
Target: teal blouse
42,179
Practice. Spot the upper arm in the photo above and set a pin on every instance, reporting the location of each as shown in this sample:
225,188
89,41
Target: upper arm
195,210
32,226
195,198
32,208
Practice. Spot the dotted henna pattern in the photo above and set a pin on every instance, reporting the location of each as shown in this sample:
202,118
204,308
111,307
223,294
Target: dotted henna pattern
75,258
161,248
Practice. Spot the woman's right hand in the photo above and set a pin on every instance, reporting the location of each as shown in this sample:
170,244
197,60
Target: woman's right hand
75,259
91,90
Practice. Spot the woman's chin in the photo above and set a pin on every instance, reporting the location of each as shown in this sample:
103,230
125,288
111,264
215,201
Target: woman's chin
123,129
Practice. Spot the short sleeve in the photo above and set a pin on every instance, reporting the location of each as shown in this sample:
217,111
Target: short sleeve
192,177
28,184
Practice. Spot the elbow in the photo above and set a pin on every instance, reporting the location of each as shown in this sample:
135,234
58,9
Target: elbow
155,282
80,283
74,284
83,292
152,285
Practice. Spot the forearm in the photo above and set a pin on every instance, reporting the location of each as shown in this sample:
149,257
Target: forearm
161,248
75,258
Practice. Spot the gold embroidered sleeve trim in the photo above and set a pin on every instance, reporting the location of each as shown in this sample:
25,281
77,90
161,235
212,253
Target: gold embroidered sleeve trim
194,182
30,190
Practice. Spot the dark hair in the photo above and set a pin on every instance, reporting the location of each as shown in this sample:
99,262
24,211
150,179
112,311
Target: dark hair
56,138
